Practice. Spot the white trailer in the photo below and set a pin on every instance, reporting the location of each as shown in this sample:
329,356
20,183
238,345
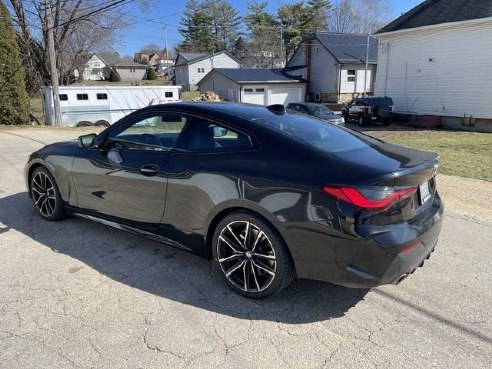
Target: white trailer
103,105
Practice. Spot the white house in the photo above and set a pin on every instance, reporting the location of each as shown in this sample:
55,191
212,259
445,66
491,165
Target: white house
254,86
436,61
334,64
96,69
189,68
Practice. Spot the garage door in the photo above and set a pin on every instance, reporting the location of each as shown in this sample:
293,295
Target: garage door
285,95
254,95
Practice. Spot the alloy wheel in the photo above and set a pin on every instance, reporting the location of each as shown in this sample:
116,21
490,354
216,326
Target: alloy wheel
246,256
43,194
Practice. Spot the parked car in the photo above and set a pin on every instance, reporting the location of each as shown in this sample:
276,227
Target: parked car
317,110
369,109
268,194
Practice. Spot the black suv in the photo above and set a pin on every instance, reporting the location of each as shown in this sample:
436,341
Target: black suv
368,109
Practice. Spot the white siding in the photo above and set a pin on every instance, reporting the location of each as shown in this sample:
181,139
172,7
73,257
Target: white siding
221,60
181,73
95,70
443,70
357,86
221,86
324,70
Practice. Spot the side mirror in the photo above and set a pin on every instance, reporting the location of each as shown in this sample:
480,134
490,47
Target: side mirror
219,131
86,141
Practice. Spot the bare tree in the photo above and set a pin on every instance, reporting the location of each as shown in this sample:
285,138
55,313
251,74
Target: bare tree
80,28
359,16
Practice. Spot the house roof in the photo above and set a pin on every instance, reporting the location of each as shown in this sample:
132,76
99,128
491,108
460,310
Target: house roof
109,57
432,12
254,75
346,47
128,63
190,58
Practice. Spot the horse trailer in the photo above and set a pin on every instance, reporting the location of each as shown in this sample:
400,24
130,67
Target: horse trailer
103,105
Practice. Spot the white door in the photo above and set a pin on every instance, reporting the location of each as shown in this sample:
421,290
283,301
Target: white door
254,95
285,95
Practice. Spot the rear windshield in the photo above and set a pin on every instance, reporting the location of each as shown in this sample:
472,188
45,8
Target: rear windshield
380,101
318,133
320,109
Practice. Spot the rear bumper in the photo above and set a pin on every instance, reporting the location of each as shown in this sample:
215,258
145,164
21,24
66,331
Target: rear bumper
383,255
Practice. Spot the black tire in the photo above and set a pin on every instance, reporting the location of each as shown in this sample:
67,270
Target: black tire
257,266
45,195
102,123
84,123
362,121
345,116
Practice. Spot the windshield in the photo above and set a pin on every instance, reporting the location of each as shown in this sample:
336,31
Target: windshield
318,133
320,110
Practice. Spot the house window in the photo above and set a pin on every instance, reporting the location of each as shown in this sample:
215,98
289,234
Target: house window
63,97
248,90
132,70
82,97
351,75
97,64
201,70
316,50
260,90
102,96
168,94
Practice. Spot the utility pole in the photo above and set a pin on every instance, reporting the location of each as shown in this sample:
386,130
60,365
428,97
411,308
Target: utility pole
165,38
365,72
281,45
52,55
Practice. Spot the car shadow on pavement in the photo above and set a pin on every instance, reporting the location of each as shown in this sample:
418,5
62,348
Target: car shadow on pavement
167,272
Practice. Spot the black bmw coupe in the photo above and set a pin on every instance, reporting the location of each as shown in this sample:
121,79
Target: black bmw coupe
268,194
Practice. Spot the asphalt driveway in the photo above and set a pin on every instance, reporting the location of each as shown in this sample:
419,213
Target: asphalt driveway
79,294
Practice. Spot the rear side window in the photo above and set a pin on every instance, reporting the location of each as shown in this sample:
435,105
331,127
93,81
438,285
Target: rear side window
82,97
63,97
317,133
102,96
209,136
168,94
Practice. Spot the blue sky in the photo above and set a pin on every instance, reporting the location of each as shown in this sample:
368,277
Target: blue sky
147,27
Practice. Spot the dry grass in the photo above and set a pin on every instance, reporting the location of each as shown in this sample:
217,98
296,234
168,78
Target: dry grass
189,95
464,154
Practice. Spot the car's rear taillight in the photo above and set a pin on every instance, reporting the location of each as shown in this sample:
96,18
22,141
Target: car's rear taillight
370,198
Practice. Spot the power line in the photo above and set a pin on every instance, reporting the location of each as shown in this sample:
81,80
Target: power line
112,5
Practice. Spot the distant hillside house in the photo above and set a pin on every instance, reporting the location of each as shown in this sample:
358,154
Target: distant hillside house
435,61
190,68
334,65
130,71
254,86
96,69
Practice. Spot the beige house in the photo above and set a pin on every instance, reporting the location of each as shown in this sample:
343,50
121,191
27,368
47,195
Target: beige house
130,71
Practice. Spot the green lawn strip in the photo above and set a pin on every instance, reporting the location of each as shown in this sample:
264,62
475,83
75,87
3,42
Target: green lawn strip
462,154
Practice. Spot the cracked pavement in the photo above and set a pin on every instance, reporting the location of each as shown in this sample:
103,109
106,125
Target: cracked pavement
76,294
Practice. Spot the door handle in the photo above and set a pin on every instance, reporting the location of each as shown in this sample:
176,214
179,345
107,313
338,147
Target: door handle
149,170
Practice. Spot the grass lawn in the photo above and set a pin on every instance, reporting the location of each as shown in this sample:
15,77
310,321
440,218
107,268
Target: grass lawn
465,154
189,95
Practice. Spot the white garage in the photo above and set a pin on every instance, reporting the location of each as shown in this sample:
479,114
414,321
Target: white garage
254,86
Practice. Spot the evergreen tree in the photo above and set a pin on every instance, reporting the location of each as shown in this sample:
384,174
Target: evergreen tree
151,74
114,76
196,28
264,35
14,101
225,23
